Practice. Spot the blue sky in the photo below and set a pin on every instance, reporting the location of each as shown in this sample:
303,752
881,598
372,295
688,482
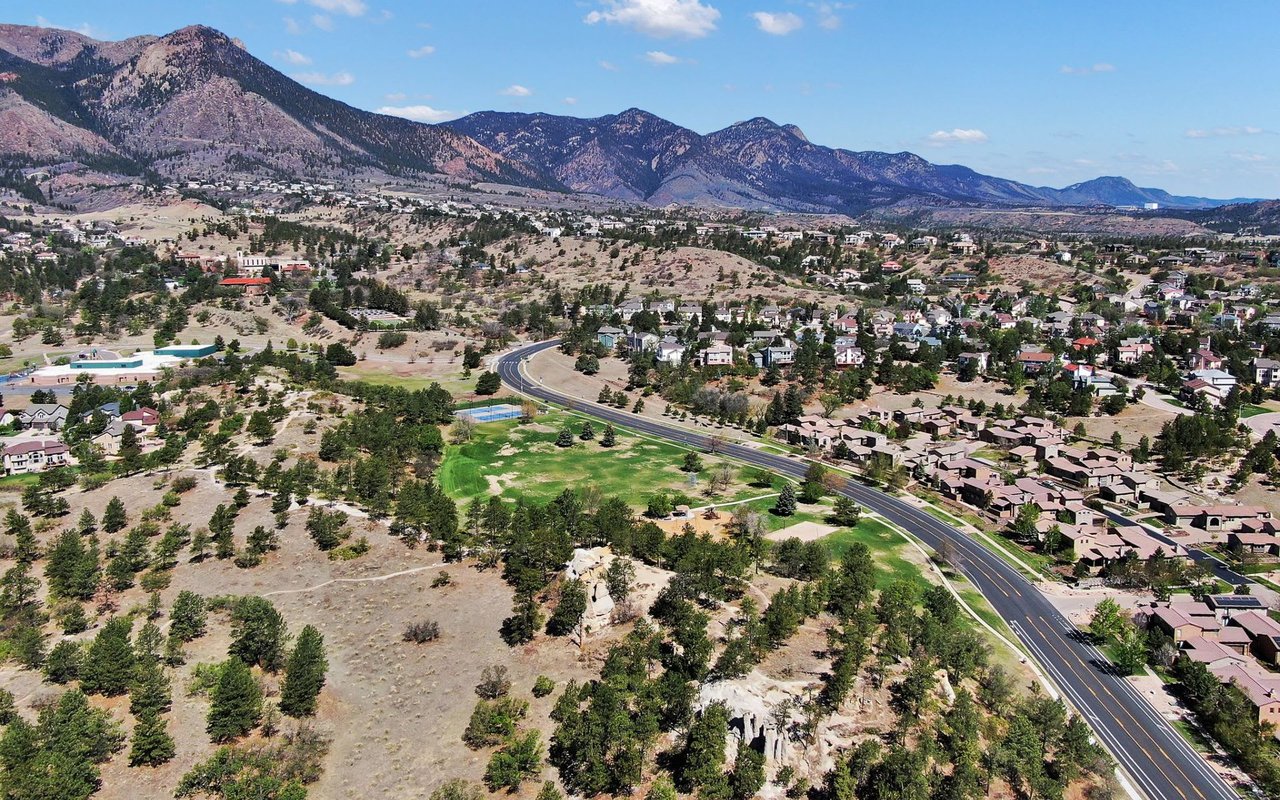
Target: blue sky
1175,94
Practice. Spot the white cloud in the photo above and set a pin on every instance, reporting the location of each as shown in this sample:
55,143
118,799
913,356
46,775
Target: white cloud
661,59
322,79
570,101
1250,158
395,97
322,22
352,8
958,136
779,24
1217,133
516,90
293,57
608,66
827,18
84,28
419,113
661,18
1090,70
421,52
291,26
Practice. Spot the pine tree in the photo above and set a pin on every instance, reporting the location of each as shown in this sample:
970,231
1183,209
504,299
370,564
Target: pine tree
259,633
573,604
304,675
108,666
187,619
786,503
87,524
704,752
150,691
588,432
610,437
222,527
200,544
260,428
114,517
235,702
71,568
18,525
748,772
151,744
565,439
63,663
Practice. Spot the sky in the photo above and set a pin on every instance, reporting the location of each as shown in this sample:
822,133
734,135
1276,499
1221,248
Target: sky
1175,94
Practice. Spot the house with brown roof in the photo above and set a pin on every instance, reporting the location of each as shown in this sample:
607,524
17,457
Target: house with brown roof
1214,518
1257,544
1185,620
34,456
1262,690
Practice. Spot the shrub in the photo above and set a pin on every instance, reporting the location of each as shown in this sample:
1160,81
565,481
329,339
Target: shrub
389,340
443,579
494,682
422,632
350,552
184,484
543,686
492,721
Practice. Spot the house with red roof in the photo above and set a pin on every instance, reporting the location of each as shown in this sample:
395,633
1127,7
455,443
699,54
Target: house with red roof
249,287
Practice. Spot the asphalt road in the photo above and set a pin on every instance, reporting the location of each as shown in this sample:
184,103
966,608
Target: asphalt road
1155,757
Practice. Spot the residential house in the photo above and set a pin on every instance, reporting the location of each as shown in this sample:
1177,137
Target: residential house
1214,518
670,352
717,355
849,356
1266,372
34,456
249,287
1211,384
1033,362
609,337
43,417
143,419
639,341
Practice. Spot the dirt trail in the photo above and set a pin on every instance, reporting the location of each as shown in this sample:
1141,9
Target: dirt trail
372,579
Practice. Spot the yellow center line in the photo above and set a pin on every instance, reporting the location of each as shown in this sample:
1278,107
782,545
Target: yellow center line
1068,661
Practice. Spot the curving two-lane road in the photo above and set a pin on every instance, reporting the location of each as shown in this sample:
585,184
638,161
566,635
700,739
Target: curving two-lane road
1151,752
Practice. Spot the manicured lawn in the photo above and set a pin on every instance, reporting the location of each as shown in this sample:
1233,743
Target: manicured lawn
887,551
515,460
1253,411
456,384
817,512
16,483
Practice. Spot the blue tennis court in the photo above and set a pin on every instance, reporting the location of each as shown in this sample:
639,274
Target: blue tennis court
493,413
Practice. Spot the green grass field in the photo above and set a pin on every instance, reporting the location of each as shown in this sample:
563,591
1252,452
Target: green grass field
523,461
888,550
16,483
456,384
1253,411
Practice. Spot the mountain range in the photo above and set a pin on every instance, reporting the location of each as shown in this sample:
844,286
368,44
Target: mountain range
196,102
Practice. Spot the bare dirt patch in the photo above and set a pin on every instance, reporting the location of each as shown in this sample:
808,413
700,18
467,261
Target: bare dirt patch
804,531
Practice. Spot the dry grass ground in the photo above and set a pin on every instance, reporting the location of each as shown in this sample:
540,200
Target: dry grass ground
1133,423
394,711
